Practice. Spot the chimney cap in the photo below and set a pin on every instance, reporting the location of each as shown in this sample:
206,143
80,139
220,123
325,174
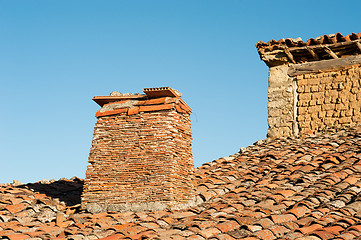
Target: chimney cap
101,100
149,93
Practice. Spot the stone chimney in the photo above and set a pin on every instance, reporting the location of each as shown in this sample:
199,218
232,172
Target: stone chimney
313,85
141,156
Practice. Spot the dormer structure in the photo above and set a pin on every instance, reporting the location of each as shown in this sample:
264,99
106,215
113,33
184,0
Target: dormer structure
313,85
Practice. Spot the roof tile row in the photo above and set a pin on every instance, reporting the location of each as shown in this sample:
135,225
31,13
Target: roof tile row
298,42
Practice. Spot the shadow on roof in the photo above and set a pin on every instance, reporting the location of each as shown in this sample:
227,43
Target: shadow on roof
68,191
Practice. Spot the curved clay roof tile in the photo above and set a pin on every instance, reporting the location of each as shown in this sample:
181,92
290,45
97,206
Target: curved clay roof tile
340,38
325,39
301,44
272,42
347,38
260,44
281,41
289,42
312,41
355,36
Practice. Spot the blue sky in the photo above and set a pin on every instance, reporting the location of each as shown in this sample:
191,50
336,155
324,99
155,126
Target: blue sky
56,55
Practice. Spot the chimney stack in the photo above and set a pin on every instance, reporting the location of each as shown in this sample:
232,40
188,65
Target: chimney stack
141,156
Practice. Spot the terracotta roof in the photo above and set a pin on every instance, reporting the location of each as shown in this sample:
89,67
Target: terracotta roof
275,189
324,47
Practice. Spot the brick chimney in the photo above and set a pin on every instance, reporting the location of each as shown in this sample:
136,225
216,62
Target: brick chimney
313,85
141,156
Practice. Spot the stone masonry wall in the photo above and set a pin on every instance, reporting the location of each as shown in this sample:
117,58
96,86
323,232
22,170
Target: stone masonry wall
310,102
330,99
280,102
141,158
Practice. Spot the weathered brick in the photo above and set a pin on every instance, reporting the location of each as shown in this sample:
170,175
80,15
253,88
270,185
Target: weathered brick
141,157
152,108
134,110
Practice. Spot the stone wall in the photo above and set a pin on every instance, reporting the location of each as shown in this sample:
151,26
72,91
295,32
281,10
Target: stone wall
330,99
141,157
300,104
280,102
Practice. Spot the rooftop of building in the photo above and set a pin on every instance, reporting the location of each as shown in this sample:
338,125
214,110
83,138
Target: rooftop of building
289,50
281,188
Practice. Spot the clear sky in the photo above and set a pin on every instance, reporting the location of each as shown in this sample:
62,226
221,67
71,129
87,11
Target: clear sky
56,55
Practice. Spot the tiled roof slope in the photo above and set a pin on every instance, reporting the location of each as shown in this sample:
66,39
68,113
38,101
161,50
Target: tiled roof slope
324,47
305,188
325,39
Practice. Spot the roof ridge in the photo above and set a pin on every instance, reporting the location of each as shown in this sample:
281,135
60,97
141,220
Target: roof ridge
322,39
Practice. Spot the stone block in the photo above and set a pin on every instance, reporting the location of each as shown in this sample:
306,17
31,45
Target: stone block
302,110
349,113
312,103
352,98
343,120
300,88
304,96
329,113
301,82
322,114
320,101
317,95
327,100
344,97
327,107
340,106
314,89
314,109
356,118
329,121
